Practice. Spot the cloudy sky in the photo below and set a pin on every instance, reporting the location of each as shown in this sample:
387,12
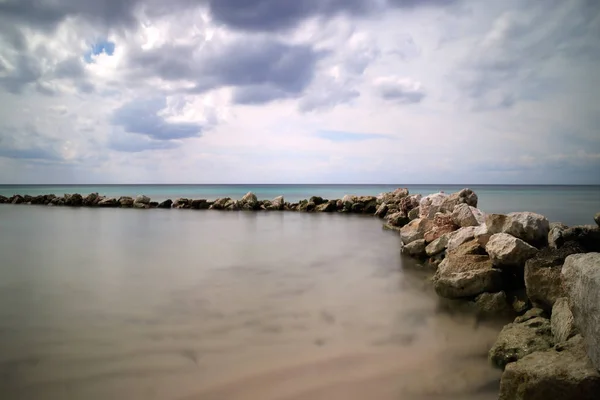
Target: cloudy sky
299,91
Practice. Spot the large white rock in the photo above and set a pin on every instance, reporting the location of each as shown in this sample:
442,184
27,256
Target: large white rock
530,227
507,250
581,277
431,204
465,215
415,230
460,236
466,275
278,202
141,199
437,246
249,198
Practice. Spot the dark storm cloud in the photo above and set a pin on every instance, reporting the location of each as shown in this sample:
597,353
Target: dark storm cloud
262,70
141,117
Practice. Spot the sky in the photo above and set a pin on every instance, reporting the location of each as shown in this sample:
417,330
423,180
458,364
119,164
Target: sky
311,91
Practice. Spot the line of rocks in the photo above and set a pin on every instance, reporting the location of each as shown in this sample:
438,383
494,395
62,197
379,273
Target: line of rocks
519,263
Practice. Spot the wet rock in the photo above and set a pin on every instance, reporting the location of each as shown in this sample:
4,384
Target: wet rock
463,235
310,206
562,322
182,203
519,301
415,248
466,276
531,314
329,206
125,201
370,206
16,199
142,199
555,234
153,204
233,205
493,304
278,203
566,375
518,339
165,204
381,210
597,218
543,279
357,208
437,246
398,219
508,251
581,277
57,201
249,198
413,214
587,236
317,200
92,200
200,204
109,202
74,200
443,223
141,205
38,199
220,204
3,199
415,230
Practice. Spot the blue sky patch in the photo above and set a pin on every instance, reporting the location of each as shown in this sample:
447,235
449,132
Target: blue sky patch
340,136
102,46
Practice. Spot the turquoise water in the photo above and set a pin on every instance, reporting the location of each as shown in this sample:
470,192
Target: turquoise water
569,204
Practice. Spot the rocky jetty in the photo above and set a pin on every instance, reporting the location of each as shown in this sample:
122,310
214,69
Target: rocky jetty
546,274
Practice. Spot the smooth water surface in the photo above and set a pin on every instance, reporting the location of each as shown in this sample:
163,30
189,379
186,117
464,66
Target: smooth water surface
181,304
572,205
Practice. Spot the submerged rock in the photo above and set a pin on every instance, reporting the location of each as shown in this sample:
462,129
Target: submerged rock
581,276
415,248
562,322
329,206
493,304
518,339
565,373
508,251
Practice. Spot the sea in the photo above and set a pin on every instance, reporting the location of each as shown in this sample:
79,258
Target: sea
207,305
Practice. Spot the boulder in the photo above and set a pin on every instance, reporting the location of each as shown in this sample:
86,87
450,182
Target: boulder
396,219
464,196
249,199
38,199
109,202
74,200
443,223
415,248
182,203
142,199
413,214
329,206
597,218
357,208
201,204
531,314
415,230
153,204
561,322
409,203
370,207
495,223
465,215
17,199
519,301
518,339
3,199
165,204
91,200
461,236
466,276
220,204
141,205
555,234
482,235
581,277
381,210
543,279
393,197
564,373
493,304
339,204
437,246
531,227
431,204
587,236
317,200
508,251
278,203
125,201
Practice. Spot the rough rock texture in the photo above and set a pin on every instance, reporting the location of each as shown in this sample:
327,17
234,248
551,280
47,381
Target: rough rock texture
581,277
442,223
165,204
393,197
381,210
508,251
562,323
415,230
482,235
142,199
109,202
561,374
182,203
91,200
437,246
249,198
220,204
493,304
466,276
415,248
555,234
126,201
413,214
518,339
329,206
431,204
461,236
278,203
530,314
587,236
409,203
141,205
531,227
597,218
397,219
464,216
202,204
543,279
464,196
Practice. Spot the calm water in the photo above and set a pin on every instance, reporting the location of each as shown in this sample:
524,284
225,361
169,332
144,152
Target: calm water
573,205
180,304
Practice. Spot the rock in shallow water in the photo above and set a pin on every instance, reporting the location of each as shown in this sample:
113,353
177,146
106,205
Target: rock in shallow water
562,375
466,276
493,304
415,248
518,339
530,227
562,323
581,276
415,230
